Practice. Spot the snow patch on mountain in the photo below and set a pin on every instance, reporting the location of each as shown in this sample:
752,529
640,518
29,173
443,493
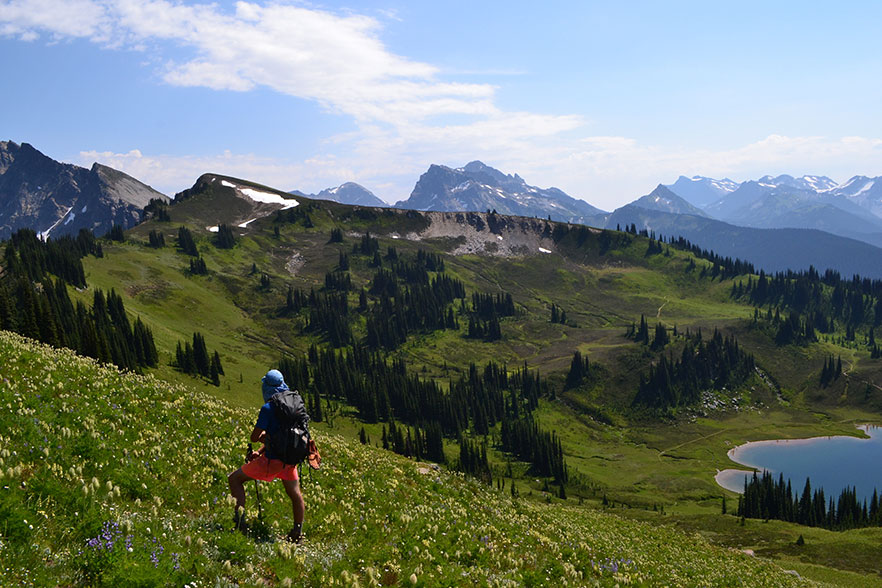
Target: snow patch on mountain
269,198
264,197
478,187
45,234
819,184
866,188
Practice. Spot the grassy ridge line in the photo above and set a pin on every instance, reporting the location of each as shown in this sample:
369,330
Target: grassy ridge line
138,467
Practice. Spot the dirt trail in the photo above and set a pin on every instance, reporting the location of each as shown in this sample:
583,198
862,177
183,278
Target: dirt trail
658,312
674,448
849,367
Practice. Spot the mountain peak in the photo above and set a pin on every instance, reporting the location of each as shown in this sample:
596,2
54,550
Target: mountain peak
8,149
701,191
479,187
346,193
48,196
663,199
810,183
476,166
483,173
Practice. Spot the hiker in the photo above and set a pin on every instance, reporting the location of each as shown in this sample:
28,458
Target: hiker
263,463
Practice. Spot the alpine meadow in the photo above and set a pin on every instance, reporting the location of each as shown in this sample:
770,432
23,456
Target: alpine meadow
440,294
498,400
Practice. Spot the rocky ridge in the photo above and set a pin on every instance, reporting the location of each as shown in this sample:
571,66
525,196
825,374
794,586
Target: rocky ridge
54,198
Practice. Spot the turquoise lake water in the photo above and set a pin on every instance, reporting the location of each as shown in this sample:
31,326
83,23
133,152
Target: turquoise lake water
832,463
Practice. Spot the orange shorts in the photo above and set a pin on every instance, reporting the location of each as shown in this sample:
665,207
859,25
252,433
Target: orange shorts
262,468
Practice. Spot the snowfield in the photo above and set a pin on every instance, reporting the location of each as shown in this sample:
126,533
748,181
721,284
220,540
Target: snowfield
264,197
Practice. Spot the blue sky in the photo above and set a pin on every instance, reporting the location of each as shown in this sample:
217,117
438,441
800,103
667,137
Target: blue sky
603,100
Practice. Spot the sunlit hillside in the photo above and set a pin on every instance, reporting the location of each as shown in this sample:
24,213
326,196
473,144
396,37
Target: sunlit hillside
514,350
115,479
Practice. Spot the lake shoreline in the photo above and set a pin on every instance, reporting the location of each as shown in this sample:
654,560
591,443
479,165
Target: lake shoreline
733,479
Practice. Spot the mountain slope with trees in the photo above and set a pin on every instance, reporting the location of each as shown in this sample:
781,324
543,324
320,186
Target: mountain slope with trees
503,347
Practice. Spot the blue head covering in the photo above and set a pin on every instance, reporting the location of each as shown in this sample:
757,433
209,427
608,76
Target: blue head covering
272,383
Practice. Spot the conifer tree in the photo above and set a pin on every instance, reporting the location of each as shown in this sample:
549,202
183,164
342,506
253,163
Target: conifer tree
185,241
117,233
156,239
201,361
642,331
214,375
661,337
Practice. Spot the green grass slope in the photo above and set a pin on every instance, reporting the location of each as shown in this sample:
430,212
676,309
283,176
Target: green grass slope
611,451
115,479
603,281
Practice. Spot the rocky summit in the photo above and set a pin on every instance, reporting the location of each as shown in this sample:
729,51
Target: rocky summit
54,198
348,193
479,187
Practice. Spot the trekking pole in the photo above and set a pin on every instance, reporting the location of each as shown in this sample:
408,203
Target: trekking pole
256,488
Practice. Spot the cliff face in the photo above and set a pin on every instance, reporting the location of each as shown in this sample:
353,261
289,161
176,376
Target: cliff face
478,188
54,198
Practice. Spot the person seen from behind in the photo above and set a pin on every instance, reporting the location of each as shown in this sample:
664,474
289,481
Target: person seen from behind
264,465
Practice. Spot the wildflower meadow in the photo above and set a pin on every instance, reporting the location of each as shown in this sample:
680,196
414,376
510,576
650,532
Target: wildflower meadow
114,479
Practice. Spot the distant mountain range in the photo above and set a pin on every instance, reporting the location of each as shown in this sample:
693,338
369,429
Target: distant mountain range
772,250
348,193
479,187
777,223
55,198
852,209
702,191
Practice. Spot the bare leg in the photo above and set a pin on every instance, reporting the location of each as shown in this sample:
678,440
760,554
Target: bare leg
237,481
292,487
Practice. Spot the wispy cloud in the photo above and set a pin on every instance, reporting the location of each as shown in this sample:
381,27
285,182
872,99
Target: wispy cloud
609,171
605,171
27,19
172,173
337,60
405,113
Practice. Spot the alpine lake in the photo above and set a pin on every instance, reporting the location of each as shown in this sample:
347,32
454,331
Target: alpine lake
831,463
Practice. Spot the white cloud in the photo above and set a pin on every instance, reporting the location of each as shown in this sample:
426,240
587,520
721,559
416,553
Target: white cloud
170,174
611,171
338,61
606,171
335,60
59,19
402,109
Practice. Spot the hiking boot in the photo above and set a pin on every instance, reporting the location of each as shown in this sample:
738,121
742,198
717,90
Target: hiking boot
295,535
239,523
